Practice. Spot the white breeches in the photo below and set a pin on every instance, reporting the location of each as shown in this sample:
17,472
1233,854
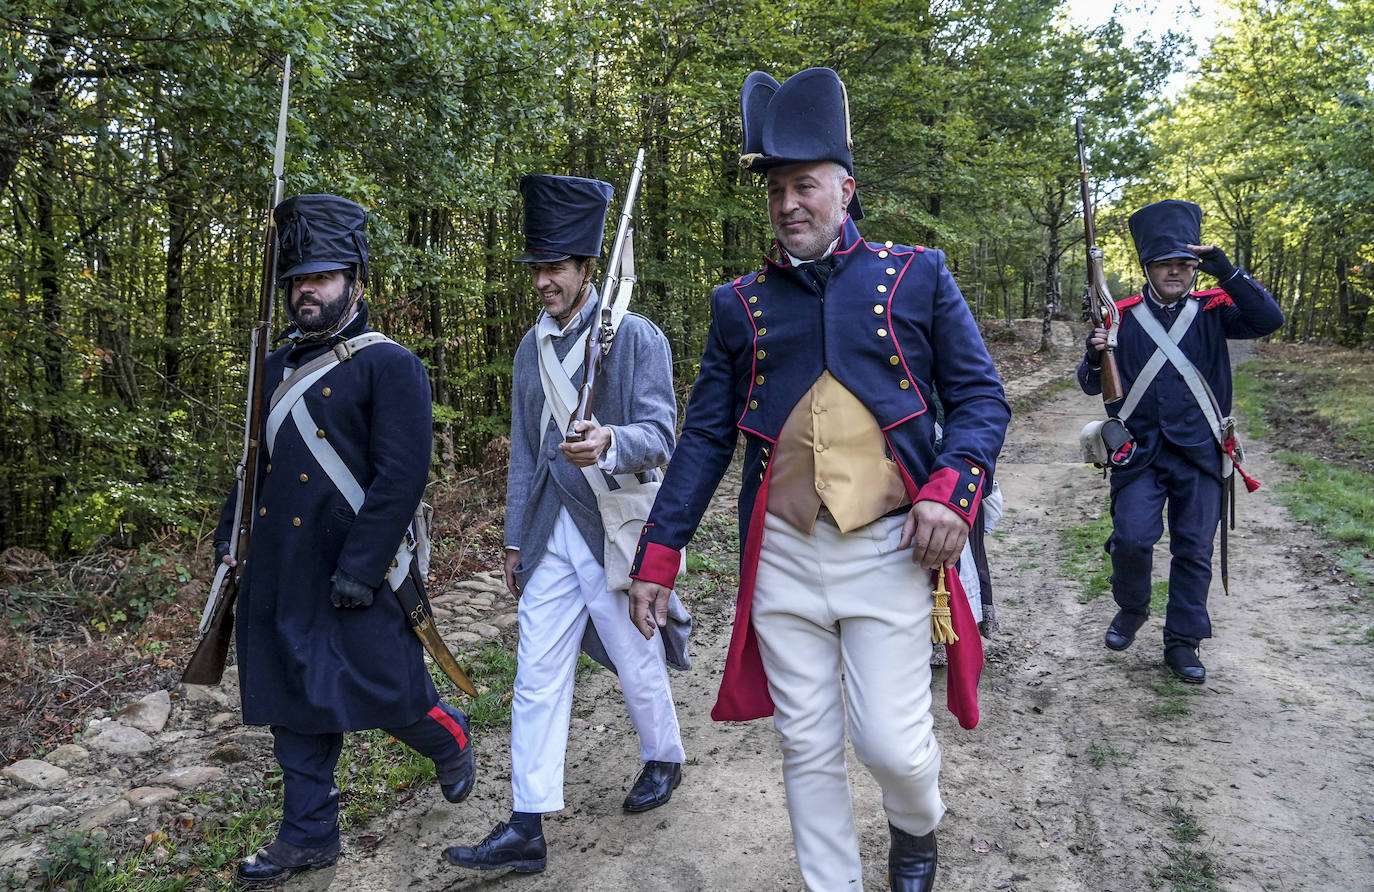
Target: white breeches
843,625
567,588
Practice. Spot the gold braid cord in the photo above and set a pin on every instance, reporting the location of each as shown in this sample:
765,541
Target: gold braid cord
941,625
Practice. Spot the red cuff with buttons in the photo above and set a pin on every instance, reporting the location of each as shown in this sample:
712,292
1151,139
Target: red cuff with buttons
960,490
657,564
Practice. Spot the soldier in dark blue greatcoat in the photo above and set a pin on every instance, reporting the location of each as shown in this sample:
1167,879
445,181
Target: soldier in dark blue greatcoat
826,361
1175,409
324,646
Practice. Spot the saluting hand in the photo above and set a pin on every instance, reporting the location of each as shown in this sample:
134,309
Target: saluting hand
1213,261
595,441
648,606
936,533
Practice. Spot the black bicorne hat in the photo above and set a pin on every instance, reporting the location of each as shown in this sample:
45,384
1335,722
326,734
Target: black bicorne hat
317,233
564,217
1165,229
805,119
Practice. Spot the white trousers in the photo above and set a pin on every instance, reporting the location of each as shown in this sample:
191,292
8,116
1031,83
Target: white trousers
843,624
565,590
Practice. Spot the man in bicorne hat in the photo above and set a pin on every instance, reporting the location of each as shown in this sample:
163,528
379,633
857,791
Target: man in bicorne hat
825,359
1178,461
554,530
324,647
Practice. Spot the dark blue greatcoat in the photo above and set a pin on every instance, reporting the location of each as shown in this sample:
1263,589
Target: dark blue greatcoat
890,325
302,662
1177,462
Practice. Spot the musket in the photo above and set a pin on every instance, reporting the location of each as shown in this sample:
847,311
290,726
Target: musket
217,622
620,279
1098,306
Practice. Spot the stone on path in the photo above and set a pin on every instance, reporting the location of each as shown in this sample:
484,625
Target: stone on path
189,777
143,797
117,739
36,774
116,811
149,714
67,754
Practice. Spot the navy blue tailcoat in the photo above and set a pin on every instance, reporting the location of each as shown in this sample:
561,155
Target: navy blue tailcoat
891,326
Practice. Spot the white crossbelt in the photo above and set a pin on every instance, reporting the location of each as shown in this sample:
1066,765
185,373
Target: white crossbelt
288,400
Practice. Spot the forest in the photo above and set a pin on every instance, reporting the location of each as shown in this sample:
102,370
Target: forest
135,178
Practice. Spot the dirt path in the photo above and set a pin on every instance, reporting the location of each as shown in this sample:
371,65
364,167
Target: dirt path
1090,770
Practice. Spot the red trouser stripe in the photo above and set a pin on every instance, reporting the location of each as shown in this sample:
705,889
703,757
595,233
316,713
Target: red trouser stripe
450,725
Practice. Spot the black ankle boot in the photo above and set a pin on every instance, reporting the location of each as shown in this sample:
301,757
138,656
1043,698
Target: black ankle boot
911,861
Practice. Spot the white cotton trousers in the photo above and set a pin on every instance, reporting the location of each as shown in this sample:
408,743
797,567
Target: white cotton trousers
567,588
843,625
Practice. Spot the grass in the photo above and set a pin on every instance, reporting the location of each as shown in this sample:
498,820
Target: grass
1189,869
1084,560
1337,501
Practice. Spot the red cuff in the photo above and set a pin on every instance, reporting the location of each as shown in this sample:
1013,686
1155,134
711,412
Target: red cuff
657,563
960,490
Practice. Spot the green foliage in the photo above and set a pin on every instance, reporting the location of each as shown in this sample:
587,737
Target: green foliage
80,858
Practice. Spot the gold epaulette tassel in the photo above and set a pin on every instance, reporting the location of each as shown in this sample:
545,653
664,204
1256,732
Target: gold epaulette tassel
941,625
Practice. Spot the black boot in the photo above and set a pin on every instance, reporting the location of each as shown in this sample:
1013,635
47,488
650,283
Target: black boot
457,778
911,861
1183,662
506,846
278,861
1121,633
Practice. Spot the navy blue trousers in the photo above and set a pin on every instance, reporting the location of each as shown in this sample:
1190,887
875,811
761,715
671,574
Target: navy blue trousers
310,806
1192,497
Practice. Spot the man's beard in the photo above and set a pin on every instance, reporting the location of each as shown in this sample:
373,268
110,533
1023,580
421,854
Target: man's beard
327,320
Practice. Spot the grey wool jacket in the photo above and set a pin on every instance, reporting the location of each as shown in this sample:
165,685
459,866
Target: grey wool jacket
634,396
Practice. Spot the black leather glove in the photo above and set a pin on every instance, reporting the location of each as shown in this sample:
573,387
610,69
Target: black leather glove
1215,264
221,552
350,591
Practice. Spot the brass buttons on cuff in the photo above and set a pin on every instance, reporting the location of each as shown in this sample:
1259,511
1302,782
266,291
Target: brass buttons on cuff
975,471
963,503
973,487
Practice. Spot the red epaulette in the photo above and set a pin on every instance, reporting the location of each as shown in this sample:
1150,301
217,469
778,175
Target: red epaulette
1127,302
1213,297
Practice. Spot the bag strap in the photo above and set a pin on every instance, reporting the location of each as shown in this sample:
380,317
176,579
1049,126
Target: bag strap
558,399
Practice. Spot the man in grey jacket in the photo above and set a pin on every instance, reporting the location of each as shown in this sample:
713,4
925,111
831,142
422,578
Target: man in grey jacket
554,532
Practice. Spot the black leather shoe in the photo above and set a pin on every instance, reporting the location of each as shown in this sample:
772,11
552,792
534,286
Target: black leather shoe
911,861
457,778
505,846
1121,633
279,860
1183,661
655,785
